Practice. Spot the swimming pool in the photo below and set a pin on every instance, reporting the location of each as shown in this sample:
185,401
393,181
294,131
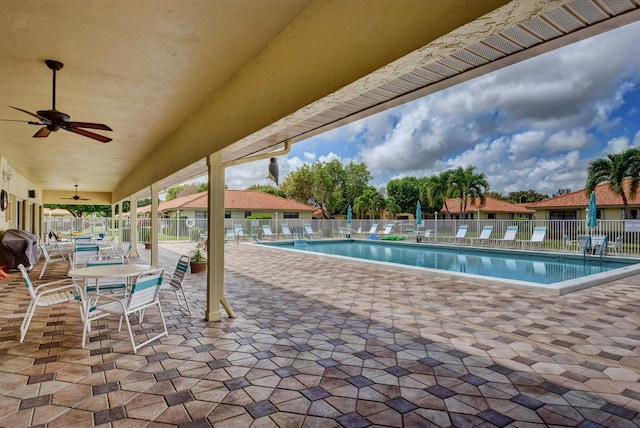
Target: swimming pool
557,272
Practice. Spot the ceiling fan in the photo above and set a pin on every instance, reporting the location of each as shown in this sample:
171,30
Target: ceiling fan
53,120
76,197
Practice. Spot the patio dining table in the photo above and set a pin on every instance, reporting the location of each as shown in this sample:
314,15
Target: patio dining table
126,271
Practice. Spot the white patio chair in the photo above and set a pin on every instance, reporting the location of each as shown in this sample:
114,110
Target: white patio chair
82,253
175,283
144,294
48,294
124,253
373,229
238,231
54,256
616,245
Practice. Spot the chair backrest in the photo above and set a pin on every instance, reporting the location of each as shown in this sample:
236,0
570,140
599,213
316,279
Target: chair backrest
97,260
83,253
285,229
510,234
486,232
181,271
145,289
308,229
359,230
462,231
538,234
387,229
427,233
27,281
230,233
266,229
238,229
110,283
43,248
374,228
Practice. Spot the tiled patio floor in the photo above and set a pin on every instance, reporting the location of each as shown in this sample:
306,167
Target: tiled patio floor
321,342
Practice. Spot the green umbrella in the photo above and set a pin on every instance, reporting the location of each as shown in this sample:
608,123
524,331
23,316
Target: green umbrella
418,214
349,215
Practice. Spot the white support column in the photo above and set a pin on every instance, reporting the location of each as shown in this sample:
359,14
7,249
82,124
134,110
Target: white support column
154,224
133,221
215,249
120,220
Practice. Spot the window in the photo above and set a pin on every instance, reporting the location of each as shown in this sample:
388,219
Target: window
227,214
634,213
202,215
491,216
290,215
563,215
247,214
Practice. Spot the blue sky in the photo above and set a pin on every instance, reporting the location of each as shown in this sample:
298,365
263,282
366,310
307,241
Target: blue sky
534,125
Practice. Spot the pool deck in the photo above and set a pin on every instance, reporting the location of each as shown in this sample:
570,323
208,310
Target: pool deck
321,342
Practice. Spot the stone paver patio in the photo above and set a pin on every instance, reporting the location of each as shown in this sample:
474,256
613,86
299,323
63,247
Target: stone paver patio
321,342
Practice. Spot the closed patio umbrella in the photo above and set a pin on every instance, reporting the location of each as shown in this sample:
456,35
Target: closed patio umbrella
418,214
349,214
592,218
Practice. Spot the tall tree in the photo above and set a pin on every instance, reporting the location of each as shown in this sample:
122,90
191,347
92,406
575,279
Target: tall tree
468,186
522,196
267,188
435,191
369,204
405,192
614,169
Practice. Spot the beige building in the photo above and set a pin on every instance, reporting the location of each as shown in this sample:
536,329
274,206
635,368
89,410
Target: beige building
489,209
572,206
238,204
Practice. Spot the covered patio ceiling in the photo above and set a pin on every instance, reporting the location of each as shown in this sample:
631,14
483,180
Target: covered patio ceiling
180,80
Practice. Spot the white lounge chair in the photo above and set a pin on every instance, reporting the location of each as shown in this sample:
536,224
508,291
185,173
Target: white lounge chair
387,229
509,236
485,235
286,232
537,237
238,231
372,230
426,236
266,232
308,231
462,233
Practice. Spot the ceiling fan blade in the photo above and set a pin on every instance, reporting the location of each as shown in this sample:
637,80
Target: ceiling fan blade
89,134
88,125
42,132
43,119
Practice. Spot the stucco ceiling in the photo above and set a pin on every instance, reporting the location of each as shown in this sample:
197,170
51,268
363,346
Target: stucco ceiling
178,80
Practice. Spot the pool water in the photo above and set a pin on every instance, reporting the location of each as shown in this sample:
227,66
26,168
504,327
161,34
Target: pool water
527,266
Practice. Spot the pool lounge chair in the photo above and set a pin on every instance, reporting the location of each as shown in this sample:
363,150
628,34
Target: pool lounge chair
372,230
426,236
537,237
485,235
509,236
461,235
308,231
285,231
238,231
266,232
387,229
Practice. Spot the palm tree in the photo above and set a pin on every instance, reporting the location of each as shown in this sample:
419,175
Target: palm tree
371,202
615,168
436,190
468,185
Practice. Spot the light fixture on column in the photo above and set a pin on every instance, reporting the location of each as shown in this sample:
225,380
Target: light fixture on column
7,174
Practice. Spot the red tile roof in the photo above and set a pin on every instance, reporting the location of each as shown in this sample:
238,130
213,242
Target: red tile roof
248,200
604,198
489,205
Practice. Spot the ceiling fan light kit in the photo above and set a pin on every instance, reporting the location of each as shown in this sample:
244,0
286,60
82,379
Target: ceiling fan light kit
54,120
76,197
